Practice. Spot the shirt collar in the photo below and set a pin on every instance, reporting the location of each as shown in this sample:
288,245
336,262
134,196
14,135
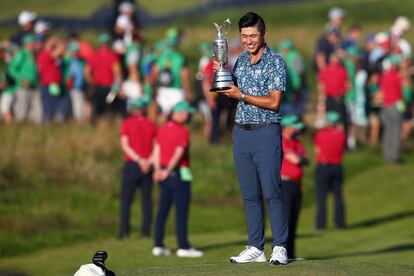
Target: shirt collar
266,52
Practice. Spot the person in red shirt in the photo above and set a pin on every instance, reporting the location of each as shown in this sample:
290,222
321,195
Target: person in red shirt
171,162
104,72
294,158
137,137
391,85
330,145
333,83
50,75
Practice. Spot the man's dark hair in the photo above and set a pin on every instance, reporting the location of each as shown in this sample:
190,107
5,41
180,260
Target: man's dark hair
252,19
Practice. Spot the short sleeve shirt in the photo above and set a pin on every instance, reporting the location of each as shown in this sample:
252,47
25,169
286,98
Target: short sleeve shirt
170,136
174,62
259,79
141,134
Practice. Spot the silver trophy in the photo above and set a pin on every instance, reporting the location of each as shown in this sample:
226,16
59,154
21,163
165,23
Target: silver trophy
222,79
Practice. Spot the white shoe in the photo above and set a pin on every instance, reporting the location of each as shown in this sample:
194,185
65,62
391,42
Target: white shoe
250,255
161,251
189,253
279,256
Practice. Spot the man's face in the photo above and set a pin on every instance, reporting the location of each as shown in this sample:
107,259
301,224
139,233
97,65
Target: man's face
251,39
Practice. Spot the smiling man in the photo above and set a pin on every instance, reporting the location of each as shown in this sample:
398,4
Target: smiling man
260,78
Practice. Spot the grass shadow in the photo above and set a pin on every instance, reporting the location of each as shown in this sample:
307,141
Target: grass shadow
244,242
381,220
390,249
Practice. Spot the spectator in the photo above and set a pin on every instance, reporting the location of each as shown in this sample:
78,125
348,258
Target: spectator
137,141
53,96
104,74
23,70
333,83
352,66
330,144
336,17
41,29
172,75
26,21
325,46
6,87
352,37
391,85
297,78
172,161
294,158
204,79
75,80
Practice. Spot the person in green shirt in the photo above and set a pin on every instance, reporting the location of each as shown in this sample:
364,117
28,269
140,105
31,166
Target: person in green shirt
352,66
23,70
172,75
297,95
6,88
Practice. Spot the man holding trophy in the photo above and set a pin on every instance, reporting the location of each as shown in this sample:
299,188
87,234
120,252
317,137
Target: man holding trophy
257,82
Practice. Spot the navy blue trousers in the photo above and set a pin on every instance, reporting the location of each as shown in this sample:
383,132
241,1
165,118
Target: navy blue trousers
292,196
131,178
258,157
329,178
173,191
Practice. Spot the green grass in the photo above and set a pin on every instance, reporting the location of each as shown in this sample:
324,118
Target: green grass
59,184
59,204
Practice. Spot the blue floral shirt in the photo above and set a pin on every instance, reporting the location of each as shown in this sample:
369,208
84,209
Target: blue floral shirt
258,79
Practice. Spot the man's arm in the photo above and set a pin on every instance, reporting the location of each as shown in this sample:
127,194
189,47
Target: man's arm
271,101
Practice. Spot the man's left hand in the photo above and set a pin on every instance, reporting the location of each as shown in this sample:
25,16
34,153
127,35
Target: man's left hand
233,92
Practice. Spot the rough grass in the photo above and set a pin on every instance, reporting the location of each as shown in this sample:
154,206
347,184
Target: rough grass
59,204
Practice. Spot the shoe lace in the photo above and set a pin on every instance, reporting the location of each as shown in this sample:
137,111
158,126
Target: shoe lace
252,254
279,250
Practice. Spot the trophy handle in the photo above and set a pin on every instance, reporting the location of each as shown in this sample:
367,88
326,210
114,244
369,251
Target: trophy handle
228,23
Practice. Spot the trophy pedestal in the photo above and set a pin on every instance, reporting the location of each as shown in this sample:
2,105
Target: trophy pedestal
222,80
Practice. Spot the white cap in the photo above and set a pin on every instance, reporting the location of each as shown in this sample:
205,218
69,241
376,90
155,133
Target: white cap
90,270
381,37
26,17
335,13
402,23
405,48
124,23
41,26
126,7
118,46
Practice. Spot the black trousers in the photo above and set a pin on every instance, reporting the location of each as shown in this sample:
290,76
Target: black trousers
131,178
222,104
100,107
337,104
329,178
292,196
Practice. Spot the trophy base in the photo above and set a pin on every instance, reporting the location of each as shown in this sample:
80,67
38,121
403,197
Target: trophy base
222,80
218,89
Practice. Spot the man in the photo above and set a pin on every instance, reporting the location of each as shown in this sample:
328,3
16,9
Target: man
171,158
260,78
24,72
26,21
294,158
137,139
104,73
172,75
330,144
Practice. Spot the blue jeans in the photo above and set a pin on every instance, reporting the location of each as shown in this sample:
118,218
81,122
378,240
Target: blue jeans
131,178
174,191
258,157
